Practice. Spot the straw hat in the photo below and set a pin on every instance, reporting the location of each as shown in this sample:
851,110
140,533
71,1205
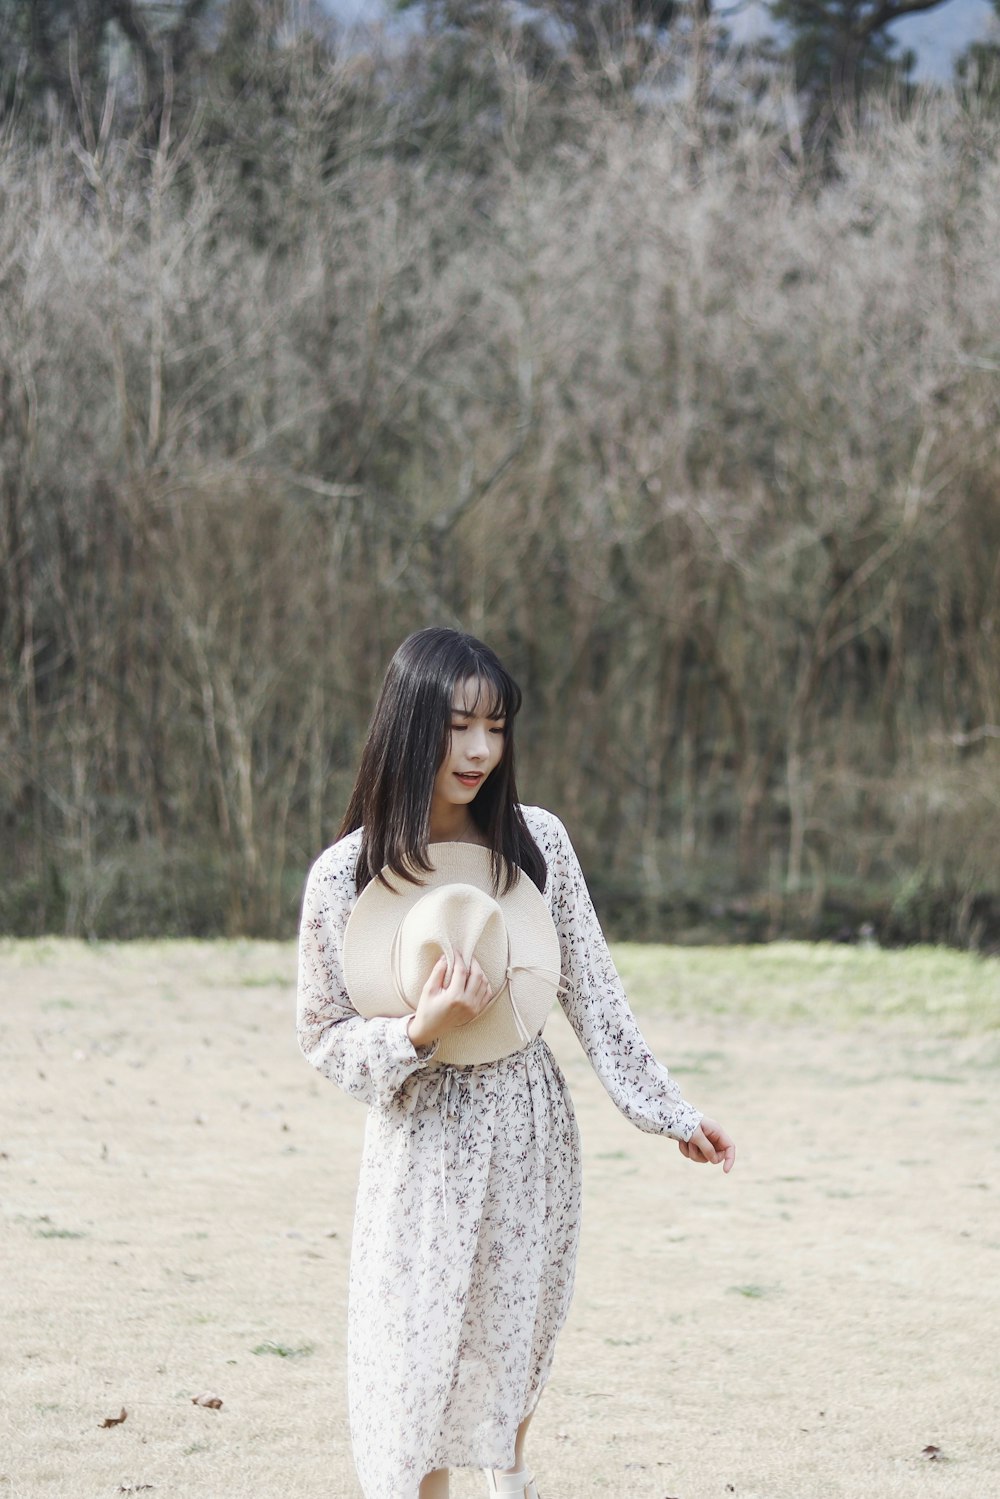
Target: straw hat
395,936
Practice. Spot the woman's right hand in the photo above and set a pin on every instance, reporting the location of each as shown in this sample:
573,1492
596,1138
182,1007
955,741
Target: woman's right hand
448,1001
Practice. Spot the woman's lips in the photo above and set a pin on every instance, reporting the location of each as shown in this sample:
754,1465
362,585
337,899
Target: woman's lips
469,778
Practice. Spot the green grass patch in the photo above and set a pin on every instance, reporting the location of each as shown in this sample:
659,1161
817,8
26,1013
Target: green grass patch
824,982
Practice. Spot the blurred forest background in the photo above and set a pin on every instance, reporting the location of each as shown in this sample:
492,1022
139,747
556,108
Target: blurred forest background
670,366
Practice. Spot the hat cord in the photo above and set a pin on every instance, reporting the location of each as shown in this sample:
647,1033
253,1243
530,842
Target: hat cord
551,974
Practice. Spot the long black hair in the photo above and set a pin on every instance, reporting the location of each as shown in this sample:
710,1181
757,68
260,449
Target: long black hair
408,739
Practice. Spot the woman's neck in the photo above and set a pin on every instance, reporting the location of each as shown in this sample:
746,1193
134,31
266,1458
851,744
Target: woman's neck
453,825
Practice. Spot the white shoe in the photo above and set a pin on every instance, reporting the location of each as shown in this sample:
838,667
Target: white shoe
513,1485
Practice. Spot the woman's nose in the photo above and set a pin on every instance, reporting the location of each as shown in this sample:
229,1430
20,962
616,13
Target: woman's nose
479,747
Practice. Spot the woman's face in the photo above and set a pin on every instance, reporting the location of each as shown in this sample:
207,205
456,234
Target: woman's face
474,749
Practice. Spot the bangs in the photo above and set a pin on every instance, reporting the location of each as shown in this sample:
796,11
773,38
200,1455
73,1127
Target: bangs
497,694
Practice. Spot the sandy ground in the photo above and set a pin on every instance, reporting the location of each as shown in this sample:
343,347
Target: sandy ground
177,1197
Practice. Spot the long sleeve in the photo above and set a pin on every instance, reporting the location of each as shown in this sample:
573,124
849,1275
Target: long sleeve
595,1002
370,1059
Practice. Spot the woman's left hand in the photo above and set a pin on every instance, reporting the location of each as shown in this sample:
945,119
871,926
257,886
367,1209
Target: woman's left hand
709,1144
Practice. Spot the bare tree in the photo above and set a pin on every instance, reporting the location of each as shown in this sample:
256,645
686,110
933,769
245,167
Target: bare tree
709,454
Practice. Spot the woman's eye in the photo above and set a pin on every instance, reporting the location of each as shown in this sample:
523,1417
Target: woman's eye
501,730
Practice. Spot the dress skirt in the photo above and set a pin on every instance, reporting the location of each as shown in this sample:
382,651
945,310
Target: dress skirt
462,1265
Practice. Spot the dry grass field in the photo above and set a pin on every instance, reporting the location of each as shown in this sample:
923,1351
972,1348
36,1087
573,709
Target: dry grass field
177,1196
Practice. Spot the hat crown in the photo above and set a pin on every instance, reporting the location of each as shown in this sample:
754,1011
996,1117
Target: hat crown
453,921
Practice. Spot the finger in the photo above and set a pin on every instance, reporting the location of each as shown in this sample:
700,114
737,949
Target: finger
703,1143
477,978
724,1147
459,975
477,982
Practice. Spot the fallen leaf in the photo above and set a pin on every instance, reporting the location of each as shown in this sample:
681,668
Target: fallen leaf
115,1420
931,1453
211,1402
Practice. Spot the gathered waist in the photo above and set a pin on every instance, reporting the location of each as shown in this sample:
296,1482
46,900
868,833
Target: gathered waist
450,1091
471,1068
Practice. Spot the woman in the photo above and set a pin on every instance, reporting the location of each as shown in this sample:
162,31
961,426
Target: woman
468,1208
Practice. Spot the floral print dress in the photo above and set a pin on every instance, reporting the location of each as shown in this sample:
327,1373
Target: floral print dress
468,1207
